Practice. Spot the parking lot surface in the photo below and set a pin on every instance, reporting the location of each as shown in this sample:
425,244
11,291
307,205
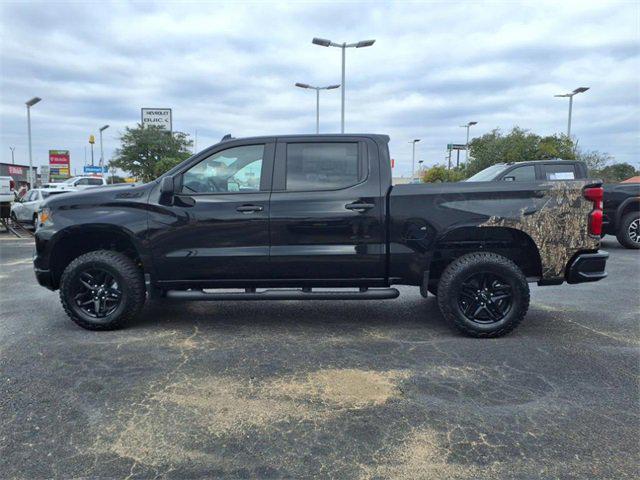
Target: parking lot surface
350,390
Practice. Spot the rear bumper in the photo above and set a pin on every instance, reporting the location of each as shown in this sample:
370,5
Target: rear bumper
587,267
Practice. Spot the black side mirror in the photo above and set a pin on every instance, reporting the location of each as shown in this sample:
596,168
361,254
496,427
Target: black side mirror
167,186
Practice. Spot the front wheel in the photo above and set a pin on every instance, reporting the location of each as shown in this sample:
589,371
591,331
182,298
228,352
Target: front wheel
629,231
101,290
483,294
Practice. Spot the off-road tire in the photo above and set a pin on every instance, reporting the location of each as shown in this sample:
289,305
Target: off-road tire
127,274
623,231
470,264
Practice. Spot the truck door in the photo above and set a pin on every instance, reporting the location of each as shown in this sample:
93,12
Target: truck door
217,228
327,210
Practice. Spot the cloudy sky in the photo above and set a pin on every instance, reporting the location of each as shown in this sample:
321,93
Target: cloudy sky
229,67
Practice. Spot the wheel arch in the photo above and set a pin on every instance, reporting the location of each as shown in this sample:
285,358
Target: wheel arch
509,242
77,240
629,205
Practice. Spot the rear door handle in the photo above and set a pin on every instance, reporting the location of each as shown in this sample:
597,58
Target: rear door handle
249,208
359,206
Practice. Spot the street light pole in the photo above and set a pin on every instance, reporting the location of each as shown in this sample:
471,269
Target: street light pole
413,157
30,104
466,149
13,149
317,89
323,42
571,95
102,129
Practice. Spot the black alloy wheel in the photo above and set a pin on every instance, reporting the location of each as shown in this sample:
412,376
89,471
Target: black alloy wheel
96,292
485,298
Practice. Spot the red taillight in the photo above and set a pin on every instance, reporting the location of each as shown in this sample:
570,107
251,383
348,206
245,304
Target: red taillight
595,194
595,222
12,185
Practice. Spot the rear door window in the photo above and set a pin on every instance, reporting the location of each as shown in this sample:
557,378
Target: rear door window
560,172
323,166
95,181
526,173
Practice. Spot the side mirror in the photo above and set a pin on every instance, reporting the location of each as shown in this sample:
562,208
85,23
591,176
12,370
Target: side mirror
167,186
509,179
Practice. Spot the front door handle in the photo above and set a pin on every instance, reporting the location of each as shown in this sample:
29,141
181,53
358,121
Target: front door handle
361,207
249,208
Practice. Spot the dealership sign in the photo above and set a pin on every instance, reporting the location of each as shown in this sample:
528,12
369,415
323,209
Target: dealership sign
157,117
59,164
95,169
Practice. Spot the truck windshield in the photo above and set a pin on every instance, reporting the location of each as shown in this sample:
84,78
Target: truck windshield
488,173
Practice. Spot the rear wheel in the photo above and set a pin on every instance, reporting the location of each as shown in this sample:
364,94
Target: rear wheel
483,294
629,231
101,290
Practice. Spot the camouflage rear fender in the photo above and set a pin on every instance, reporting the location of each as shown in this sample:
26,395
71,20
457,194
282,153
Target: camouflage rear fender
558,224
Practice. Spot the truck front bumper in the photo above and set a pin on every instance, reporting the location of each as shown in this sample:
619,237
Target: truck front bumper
587,267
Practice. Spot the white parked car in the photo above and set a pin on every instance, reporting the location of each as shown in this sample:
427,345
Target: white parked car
6,189
26,210
76,183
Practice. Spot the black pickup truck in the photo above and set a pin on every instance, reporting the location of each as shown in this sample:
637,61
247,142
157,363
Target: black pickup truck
315,217
622,213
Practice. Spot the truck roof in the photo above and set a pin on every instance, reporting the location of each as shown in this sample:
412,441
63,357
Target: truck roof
377,136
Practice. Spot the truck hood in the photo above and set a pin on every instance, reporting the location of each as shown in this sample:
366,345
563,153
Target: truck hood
97,195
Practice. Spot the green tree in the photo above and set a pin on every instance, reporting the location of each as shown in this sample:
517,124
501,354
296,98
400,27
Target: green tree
519,145
440,173
617,172
595,160
147,152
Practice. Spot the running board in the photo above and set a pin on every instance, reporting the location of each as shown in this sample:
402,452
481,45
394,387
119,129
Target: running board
287,294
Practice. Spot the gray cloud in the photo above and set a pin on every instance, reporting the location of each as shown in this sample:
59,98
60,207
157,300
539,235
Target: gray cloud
230,67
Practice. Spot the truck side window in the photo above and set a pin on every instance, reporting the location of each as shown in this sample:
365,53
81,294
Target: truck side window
521,174
560,172
94,181
323,166
236,169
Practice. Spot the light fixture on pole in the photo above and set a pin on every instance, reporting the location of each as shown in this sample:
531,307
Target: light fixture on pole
102,129
466,149
323,42
30,104
13,149
570,95
413,157
317,89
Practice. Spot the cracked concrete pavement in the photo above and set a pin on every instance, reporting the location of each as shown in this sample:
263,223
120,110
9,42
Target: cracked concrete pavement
350,390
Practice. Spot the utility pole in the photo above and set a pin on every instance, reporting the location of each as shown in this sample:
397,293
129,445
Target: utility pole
466,153
317,89
13,149
571,95
413,157
323,42
102,129
30,104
